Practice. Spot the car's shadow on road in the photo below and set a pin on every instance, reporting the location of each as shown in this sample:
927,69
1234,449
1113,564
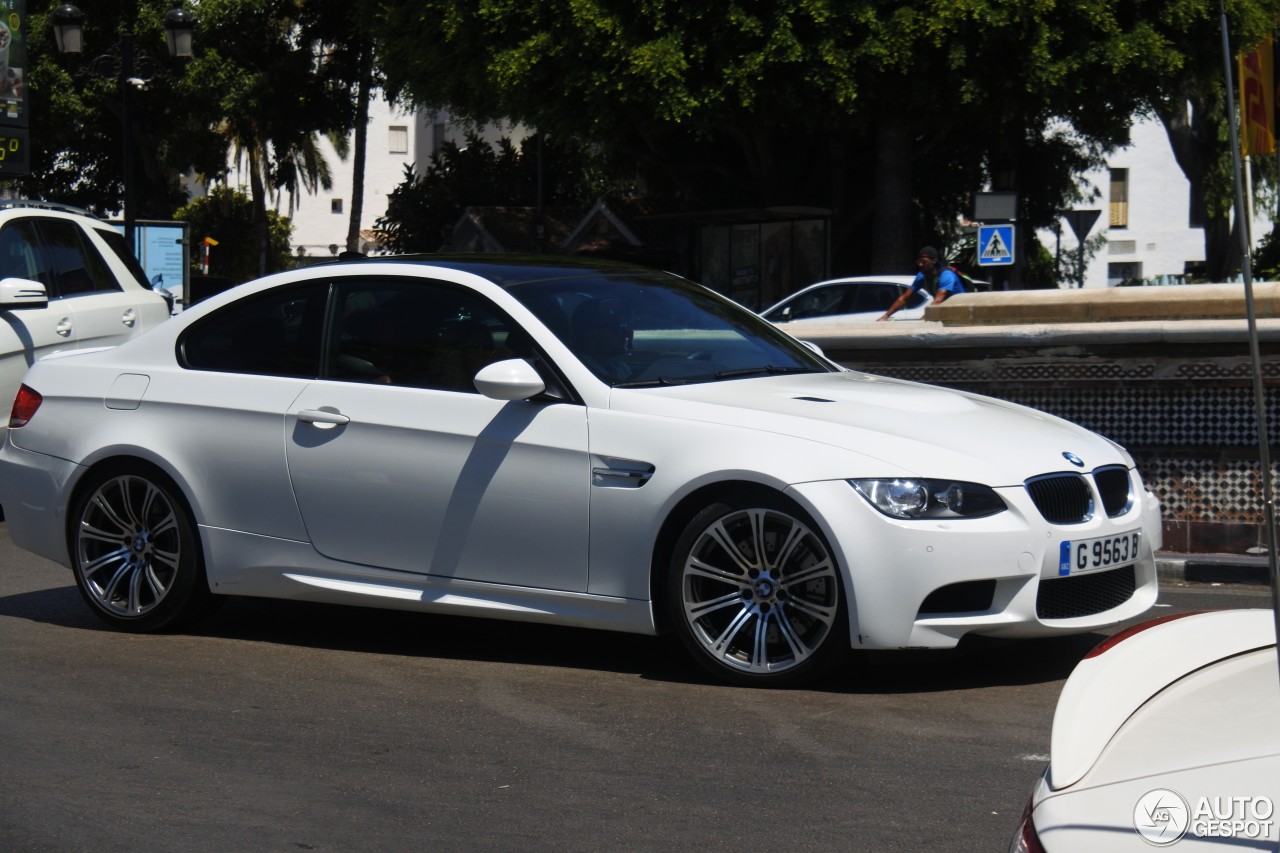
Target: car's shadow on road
61,606
401,633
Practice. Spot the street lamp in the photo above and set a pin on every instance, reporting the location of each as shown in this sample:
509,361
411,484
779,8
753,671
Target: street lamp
129,68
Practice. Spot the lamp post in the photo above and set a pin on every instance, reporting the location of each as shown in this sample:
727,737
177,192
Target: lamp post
129,67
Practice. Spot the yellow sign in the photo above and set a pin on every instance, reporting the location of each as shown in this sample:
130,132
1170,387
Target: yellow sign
1257,100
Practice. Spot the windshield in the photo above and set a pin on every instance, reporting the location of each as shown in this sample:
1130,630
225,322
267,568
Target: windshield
638,331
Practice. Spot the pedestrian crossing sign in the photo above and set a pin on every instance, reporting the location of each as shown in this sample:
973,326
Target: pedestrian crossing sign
995,245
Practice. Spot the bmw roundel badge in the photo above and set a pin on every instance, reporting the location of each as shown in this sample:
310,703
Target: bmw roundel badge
1073,459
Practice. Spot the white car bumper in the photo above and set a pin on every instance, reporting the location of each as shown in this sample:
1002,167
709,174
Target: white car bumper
928,583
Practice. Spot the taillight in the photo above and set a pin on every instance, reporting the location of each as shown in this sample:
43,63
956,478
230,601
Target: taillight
1116,639
24,406
1026,840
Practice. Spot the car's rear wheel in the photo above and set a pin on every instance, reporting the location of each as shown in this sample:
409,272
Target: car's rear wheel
134,552
755,593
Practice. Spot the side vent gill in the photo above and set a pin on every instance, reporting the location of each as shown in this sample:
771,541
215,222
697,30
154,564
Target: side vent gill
611,472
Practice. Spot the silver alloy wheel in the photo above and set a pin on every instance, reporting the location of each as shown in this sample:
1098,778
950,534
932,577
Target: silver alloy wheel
759,591
129,546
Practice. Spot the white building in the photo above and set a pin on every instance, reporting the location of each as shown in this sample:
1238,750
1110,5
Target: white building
397,139
1145,214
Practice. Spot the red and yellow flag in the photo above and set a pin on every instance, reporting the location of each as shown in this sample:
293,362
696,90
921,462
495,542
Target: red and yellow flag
1257,102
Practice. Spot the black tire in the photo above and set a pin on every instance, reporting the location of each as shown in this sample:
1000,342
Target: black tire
755,593
135,554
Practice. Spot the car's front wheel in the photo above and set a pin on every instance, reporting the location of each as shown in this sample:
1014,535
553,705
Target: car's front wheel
755,593
134,552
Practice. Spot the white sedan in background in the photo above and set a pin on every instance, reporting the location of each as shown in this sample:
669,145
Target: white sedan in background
563,441
1166,735
862,299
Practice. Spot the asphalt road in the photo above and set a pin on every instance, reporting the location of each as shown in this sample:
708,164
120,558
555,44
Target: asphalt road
282,727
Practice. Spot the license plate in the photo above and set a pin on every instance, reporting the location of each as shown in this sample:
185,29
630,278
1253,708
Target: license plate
1089,555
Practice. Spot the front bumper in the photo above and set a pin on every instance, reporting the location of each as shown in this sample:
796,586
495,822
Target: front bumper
928,583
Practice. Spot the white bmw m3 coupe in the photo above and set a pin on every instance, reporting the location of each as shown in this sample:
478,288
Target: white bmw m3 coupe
561,441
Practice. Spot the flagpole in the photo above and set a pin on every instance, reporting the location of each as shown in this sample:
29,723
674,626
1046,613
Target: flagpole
1248,208
1255,356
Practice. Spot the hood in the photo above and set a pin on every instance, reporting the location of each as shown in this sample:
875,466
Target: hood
913,428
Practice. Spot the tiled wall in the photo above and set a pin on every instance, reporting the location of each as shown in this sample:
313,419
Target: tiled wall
1189,421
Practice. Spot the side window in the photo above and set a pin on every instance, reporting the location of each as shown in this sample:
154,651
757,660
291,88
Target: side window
820,303
415,334
273,334
19,253
77,266
878,296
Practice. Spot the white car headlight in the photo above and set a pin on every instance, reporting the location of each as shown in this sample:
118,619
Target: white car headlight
907,497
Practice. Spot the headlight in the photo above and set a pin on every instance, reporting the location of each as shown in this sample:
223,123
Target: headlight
920,498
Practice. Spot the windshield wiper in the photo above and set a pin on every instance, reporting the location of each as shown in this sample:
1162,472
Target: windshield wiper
647,383
663,381
766,370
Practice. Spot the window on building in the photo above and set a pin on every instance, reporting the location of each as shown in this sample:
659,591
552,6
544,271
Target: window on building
398,139
1124,273
335,205
1119,198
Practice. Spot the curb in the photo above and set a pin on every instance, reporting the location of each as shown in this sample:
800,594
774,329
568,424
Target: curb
1213,568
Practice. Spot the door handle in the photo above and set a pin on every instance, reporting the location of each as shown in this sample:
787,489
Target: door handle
130,317
64,327
325,418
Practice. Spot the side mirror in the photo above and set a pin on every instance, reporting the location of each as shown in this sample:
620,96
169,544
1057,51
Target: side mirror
513,379
811,345
22,293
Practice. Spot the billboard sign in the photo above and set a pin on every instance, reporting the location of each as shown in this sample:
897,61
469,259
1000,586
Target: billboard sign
162,249
14,119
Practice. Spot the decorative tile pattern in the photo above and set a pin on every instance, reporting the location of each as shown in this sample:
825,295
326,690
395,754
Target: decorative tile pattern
1191,426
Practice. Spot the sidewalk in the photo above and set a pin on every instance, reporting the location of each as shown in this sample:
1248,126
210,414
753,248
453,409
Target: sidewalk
1212,568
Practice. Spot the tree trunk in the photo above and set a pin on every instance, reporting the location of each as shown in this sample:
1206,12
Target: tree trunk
363,93
258,190
891,250
1192,127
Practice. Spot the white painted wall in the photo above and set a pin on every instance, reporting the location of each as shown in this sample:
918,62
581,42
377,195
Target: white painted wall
317,225
1158,237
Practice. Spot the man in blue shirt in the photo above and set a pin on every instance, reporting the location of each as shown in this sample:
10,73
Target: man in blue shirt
946,282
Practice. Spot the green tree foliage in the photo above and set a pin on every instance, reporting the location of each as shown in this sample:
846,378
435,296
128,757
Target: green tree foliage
1191,105
276,87
889,112
77,127
226,215
423,209
267,79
